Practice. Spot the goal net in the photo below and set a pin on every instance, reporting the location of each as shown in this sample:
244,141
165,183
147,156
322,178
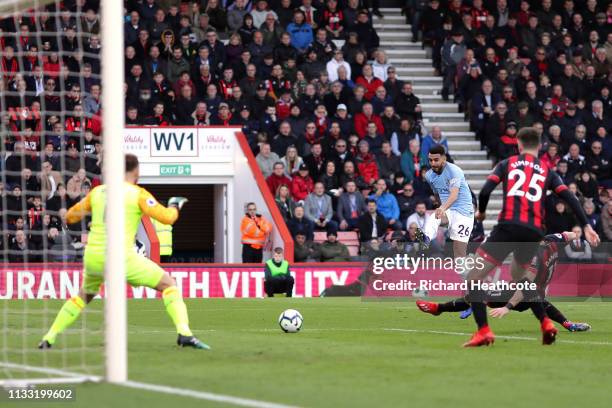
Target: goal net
51,155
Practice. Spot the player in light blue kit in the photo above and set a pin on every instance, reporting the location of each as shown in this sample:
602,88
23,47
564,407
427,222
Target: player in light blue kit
448,182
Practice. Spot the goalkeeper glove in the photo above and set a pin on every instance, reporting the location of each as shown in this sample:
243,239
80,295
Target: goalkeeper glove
177,202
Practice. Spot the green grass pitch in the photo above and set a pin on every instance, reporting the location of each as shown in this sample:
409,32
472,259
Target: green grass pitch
349,353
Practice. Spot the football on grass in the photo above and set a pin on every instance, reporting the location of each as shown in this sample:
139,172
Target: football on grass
290,321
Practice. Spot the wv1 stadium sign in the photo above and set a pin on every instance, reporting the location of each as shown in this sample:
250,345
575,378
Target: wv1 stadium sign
192,145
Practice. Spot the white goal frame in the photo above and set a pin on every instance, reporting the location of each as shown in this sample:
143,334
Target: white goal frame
115,304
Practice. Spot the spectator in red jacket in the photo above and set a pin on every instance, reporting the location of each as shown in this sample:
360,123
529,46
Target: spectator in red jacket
364,117
369,81
277,178
551,157
302,184
366,163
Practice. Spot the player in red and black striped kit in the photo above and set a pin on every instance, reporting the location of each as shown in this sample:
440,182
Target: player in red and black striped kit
540,271
526,181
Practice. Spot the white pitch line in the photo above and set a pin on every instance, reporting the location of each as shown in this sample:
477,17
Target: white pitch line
389,329
68,376
208,396
587,342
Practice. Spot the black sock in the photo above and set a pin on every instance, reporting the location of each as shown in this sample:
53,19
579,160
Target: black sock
554,313
536,303
476,298
538,310
457,305
480,314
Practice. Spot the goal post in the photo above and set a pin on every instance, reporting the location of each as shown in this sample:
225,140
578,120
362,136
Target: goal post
25,316
115,312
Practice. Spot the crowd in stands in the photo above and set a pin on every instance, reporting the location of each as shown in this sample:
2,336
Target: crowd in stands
338,136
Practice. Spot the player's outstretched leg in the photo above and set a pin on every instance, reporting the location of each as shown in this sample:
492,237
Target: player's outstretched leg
484,336
67,315
556,315
177,310
457,305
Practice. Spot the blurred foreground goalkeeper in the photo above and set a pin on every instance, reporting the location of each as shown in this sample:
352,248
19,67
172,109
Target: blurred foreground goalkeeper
140,271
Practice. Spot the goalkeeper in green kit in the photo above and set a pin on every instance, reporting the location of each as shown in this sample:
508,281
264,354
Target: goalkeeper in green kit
140,271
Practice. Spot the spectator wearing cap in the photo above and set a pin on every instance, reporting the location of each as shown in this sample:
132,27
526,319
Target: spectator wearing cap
335,63
351,205
372,225
366,116
386,204
453,52
333,250
223,116
266,159
299,224
508,145
318,208
302,184
344,120
366,33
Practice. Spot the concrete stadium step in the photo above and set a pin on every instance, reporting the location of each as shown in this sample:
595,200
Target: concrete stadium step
421,89
423,80
410,62
414,64
395,34
461,144
422,71
395,26
455,116
468,154
448,126
405,52
400,44
395,18
439,107
467,135
482,164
